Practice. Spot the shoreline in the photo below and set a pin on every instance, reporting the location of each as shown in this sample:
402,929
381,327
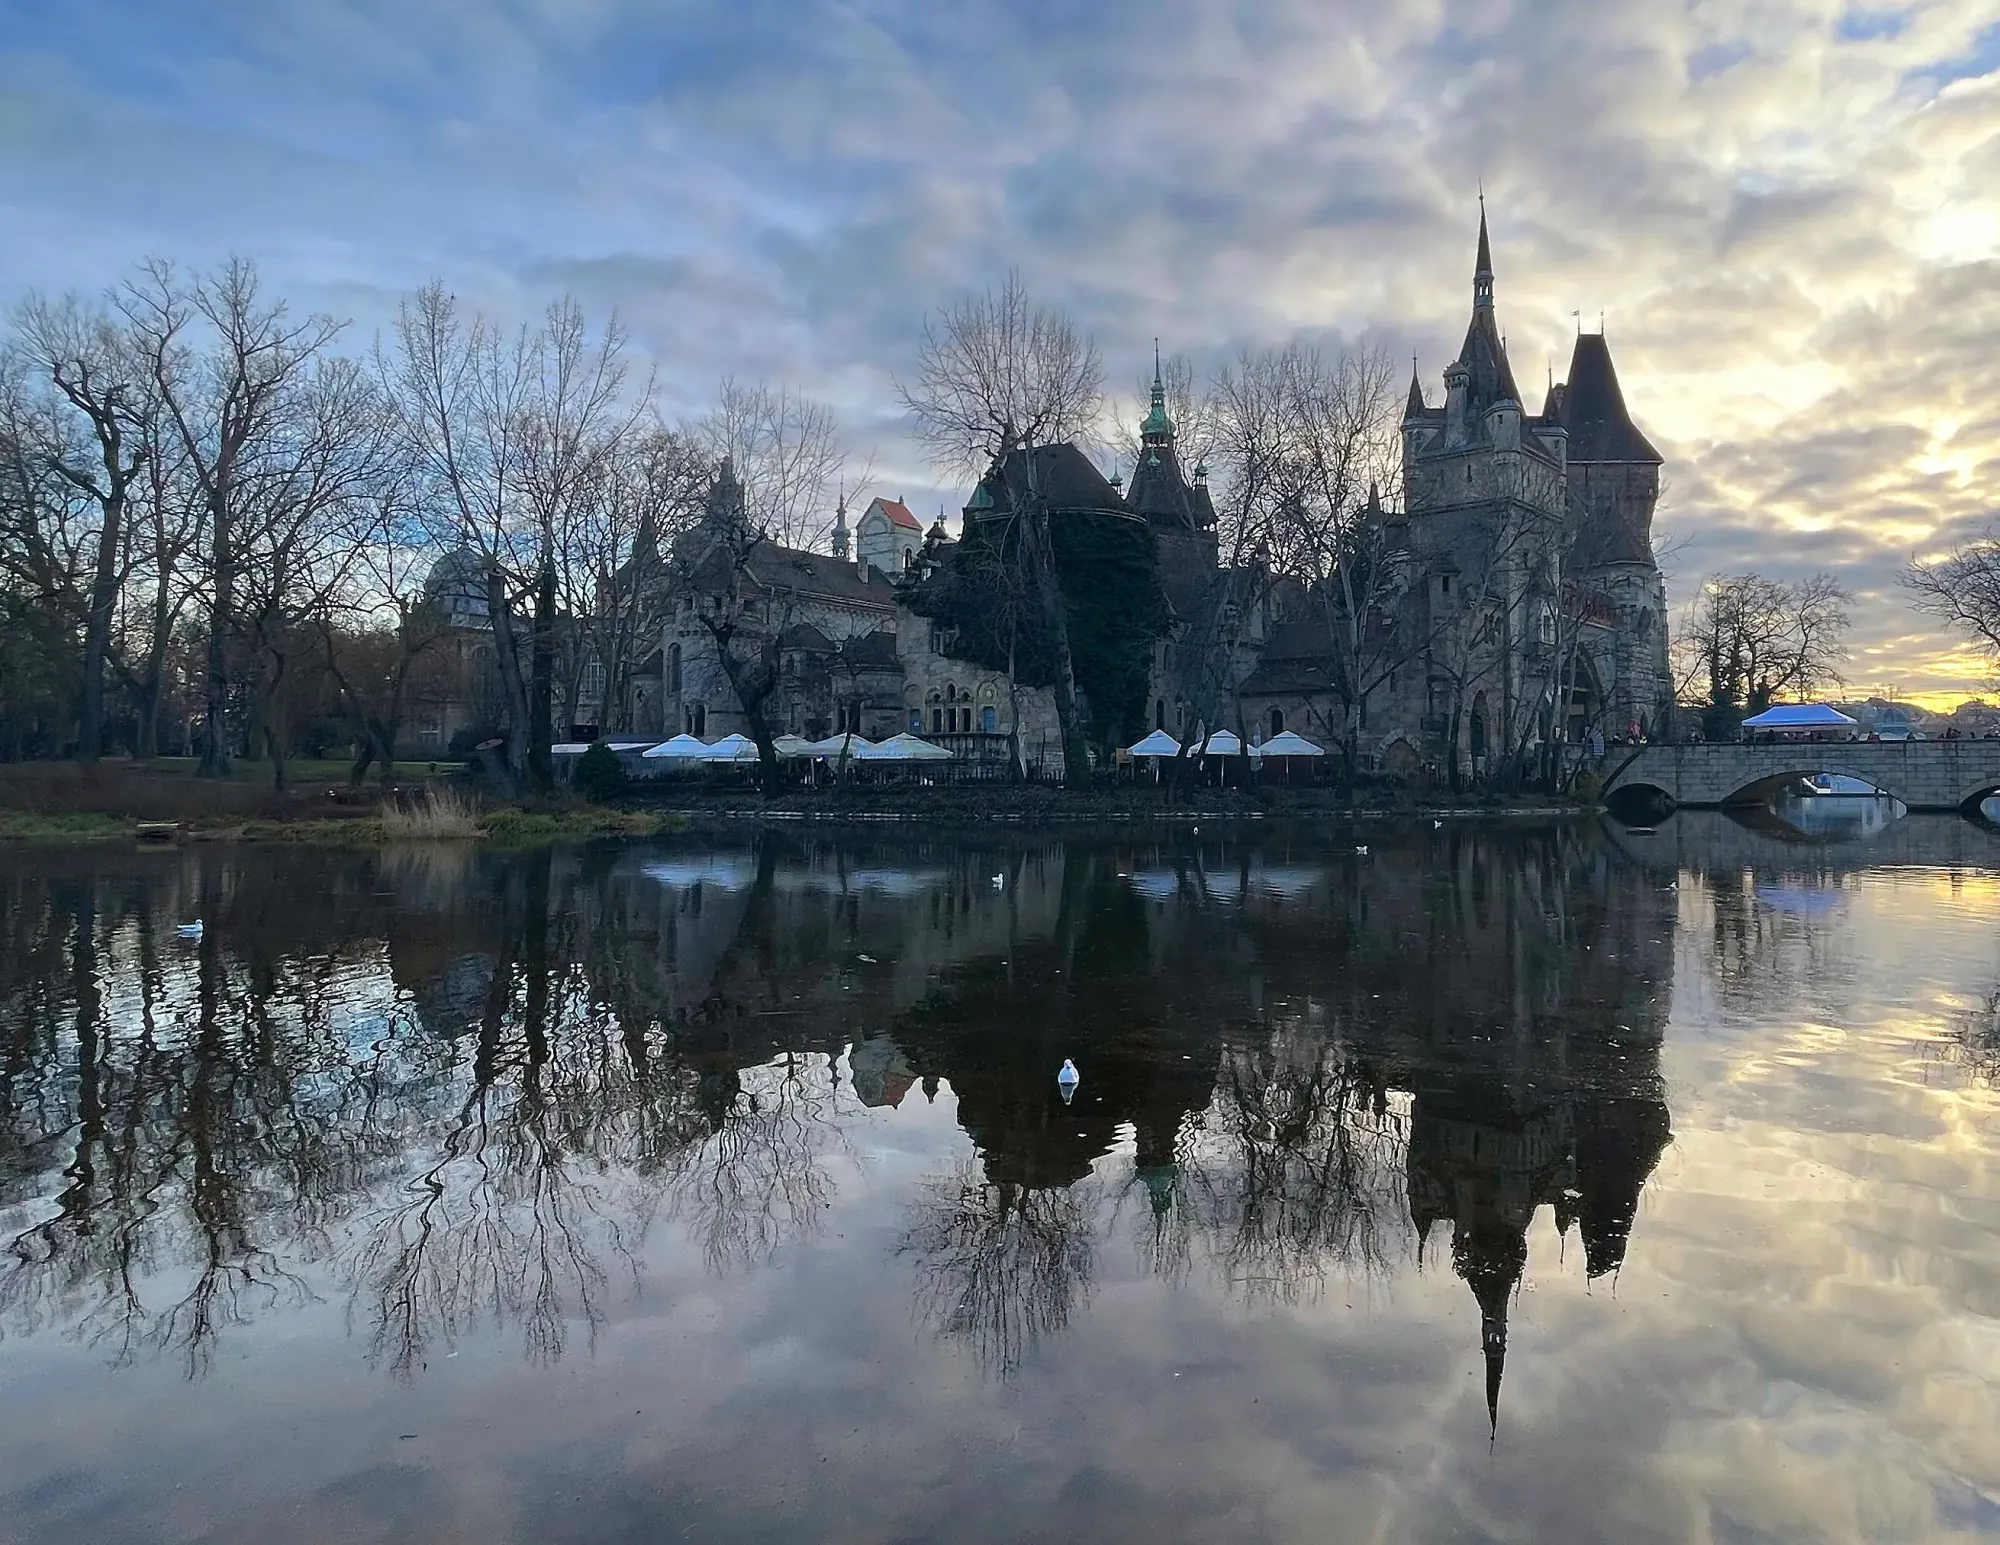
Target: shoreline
509,826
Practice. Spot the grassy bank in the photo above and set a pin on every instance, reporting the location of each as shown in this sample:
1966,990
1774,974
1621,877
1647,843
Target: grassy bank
61,802
120,801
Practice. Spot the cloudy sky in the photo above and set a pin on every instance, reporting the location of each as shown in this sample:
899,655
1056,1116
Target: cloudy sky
1787,212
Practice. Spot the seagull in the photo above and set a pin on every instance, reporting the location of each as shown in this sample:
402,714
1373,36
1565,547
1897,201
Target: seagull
188,930
1437,826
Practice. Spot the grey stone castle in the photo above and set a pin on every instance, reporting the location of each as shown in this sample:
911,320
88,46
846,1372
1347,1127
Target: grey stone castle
1514,598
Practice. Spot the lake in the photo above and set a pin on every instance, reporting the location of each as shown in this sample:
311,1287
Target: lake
1500,1182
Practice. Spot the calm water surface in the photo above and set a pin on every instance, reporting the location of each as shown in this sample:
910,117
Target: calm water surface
1553,1184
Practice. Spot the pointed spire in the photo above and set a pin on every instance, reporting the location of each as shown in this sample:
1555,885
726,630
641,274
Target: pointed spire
840,524
1416,407
1482,271
1157,428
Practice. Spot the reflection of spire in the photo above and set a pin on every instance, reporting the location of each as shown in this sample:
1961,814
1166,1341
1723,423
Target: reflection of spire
1491,1266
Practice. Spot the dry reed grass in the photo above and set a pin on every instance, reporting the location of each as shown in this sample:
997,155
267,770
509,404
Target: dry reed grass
439,813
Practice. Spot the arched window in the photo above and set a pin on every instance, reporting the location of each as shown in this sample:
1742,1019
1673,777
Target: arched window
1160,714
937,721
674,669
1277,721
697,721
989,720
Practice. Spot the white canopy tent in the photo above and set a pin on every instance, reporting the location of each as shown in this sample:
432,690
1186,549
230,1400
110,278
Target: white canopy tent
790,746
1223,743
682,748
910,748
854,747
1285,743
1157,744
732,748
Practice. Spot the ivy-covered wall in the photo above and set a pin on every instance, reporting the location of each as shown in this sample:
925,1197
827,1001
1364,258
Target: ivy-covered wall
1108,570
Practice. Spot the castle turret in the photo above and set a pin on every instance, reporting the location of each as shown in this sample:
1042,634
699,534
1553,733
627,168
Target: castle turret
840,539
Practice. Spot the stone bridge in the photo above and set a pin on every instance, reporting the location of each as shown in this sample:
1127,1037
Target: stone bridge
1923,774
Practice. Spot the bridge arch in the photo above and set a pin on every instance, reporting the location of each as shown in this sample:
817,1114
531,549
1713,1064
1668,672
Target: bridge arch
1923,775
1762,789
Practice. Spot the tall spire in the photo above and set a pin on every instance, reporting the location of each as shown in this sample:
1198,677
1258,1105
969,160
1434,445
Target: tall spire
840,524
1482,271
1416,407
1156,429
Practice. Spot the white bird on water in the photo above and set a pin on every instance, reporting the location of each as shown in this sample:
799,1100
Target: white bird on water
188,930
1068,1078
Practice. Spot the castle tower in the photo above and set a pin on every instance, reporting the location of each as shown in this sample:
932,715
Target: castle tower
1614,485
1160,491
840,538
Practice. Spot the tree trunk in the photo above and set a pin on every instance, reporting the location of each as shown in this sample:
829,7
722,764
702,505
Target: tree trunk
1055,617
97,630
542,664
508,661
214,754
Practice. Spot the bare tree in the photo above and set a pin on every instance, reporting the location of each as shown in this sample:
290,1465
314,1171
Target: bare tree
995,371
87,358
1961,588
1747,640
785,448
644,496
998,377
223,360
578,411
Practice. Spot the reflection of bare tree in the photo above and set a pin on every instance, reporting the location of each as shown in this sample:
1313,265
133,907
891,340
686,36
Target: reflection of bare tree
189,1117
1296,1168
186,1132
1000,1266
1975,1042
760,1178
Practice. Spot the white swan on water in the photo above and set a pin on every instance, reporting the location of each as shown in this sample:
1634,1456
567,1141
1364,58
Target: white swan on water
1068,1077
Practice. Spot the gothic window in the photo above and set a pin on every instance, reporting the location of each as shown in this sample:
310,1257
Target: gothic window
697,721
674,670
989,720
592,687
937,721
1160,714
1548,623
1277,721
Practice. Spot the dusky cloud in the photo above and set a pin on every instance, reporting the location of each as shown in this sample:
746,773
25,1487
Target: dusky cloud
1787,212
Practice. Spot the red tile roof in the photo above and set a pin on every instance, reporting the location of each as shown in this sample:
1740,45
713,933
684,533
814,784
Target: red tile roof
899,514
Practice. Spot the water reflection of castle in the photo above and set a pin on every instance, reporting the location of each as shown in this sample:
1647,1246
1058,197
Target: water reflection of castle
1313,1057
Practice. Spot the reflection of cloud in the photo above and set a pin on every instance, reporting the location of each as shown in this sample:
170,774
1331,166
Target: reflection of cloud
1805,901
729,872
734,872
